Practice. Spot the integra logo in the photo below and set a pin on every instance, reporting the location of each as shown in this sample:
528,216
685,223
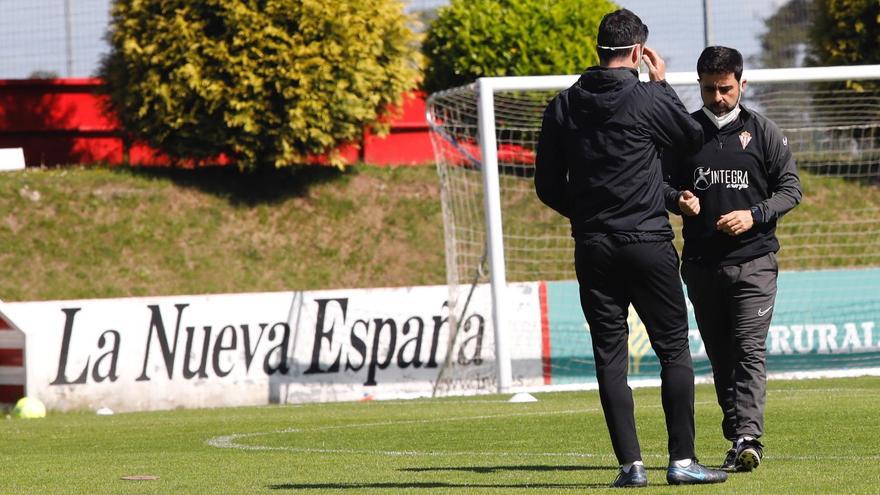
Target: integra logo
704,177
701,178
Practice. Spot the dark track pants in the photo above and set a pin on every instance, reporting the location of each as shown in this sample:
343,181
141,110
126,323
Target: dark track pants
733,306
612,275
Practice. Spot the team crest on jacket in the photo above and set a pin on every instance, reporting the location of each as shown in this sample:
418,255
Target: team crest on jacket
744,138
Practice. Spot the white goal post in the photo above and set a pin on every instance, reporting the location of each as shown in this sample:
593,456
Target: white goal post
489,129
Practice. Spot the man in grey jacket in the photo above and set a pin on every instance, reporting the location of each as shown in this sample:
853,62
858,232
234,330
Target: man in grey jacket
731,194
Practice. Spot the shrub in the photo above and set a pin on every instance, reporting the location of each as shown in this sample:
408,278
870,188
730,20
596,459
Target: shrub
476,38
268,82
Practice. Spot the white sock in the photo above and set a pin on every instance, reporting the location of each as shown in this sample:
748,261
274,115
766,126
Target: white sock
682,463
744,438
626,467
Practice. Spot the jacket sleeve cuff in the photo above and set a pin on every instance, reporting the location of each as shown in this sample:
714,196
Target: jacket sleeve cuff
757,214
672,201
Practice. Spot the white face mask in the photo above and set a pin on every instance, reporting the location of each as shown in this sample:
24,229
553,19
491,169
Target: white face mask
727,117
724,119
613,48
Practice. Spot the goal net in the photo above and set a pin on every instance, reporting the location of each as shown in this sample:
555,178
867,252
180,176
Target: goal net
500,239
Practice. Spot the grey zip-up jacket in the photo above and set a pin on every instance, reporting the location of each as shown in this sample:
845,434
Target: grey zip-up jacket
746,165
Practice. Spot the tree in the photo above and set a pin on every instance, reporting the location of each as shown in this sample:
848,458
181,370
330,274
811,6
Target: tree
785,42
845,32
476,38
268,82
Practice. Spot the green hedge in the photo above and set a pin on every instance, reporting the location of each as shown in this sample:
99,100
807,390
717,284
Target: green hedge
476,38
267,82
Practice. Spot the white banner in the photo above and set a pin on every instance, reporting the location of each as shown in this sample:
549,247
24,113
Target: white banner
248,349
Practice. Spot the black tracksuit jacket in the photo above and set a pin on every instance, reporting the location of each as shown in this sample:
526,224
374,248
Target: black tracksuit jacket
598,158
746,165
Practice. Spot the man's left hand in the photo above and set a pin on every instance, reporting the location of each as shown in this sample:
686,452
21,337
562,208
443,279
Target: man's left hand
735,222
656,64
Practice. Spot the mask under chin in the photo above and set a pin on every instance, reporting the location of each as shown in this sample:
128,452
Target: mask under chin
724,119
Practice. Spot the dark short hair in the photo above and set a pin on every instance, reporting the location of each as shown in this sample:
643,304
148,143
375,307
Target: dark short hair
620,28
720,60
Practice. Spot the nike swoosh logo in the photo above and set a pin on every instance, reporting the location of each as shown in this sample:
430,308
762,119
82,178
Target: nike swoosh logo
762,312
690,474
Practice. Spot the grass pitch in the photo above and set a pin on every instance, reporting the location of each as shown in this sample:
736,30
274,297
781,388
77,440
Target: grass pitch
823,436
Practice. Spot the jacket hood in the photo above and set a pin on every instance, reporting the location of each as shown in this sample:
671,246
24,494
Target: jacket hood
600,91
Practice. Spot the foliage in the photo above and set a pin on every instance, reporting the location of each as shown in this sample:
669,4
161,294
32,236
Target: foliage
43,74
477,38
845,32
267,82
784,44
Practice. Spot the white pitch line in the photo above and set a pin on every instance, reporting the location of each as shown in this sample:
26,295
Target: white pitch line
836,391
416,402
437,420
379,402
232,441
460,418
229,442
825,457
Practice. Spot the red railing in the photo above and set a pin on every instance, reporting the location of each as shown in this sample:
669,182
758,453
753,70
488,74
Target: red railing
62,121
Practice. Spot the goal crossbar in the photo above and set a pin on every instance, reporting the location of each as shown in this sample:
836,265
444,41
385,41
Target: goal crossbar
797,74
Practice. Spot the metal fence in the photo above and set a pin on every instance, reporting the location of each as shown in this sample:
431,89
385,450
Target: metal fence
62,38
65,38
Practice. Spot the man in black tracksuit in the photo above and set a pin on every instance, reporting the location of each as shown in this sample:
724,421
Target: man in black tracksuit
731,193
598,164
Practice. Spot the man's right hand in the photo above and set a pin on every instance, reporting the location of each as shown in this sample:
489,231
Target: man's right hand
656,65
688,204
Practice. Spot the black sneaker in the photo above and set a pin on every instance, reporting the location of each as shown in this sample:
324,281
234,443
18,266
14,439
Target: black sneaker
694,474
729,463
749,454
637,477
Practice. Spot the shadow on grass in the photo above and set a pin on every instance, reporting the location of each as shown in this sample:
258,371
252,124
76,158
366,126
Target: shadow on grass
429,484
265,186
612,470
494,469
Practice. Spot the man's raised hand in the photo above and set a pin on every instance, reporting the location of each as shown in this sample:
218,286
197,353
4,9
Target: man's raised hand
656,65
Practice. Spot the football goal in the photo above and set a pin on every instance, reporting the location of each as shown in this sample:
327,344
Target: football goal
497,233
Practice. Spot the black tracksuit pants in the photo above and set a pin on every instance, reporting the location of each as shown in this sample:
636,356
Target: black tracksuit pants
612,274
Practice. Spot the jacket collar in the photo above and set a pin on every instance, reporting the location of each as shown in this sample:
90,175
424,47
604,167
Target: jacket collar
598,72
